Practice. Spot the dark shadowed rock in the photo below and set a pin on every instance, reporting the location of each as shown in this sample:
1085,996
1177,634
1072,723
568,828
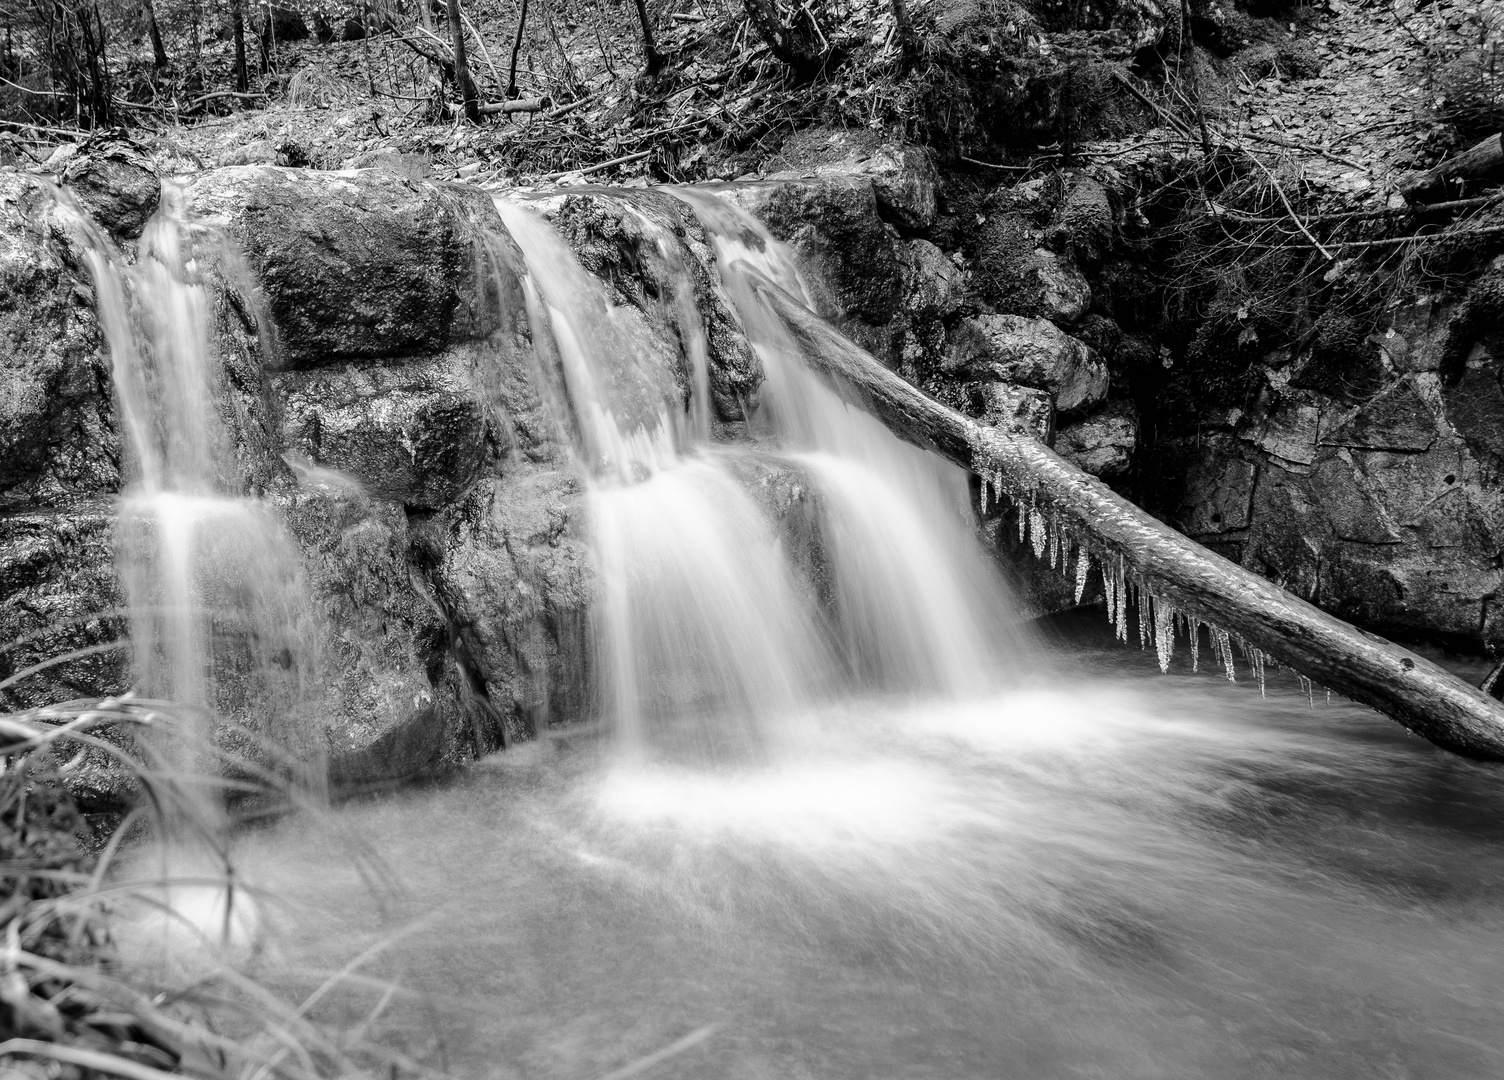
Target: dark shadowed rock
903,178
1287,533
1019,276
388,707
935,287
1288,432
1348,502
59,592
852,258
1017,408
1103,443
1475,408
513,574
1342,362
1398,419
1082,224
117,185
1218,496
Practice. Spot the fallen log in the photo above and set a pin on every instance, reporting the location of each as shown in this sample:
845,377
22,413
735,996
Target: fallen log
1180,581
1446,180
517,105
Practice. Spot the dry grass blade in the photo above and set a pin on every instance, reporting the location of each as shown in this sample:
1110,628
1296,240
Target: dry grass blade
69,998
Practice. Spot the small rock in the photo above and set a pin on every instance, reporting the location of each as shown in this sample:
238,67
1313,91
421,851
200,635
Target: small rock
256,152
1030,352
1065,296
465,172
59,157
1082,223
1101,444
1018,408
407,166
936,285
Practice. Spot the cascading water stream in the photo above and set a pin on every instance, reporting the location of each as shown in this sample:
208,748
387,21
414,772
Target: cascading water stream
219,622
710,648
919,608
706,651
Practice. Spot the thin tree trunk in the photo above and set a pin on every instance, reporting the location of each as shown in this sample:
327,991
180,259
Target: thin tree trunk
903,30
158,50
650,54
461,67
516,48
237,28
1165,567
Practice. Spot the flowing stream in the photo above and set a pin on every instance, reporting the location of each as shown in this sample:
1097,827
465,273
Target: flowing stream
846,820
220,624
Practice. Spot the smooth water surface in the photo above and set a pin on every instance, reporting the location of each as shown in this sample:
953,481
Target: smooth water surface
1113,873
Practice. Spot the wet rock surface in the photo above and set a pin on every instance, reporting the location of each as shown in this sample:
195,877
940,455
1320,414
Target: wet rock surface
354,265
383,402
642,243
117,185
59,459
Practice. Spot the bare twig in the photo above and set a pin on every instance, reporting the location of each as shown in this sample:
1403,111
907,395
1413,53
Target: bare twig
624,160
511,90
495,75
1279,190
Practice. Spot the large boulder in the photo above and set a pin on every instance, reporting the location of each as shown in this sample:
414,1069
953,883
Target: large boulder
355,265
1030,352
117,185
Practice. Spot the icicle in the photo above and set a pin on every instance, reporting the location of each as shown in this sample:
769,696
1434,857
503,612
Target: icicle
1121,587
1143,617
1112,603
1023,522
1055,534
1039,534
1305,684
1195,632
1328,695
1164,632
1224,650
1083,567
1258,669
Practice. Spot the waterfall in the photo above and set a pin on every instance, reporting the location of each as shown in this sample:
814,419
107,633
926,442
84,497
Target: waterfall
709,648
220,625
704,646
919,607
